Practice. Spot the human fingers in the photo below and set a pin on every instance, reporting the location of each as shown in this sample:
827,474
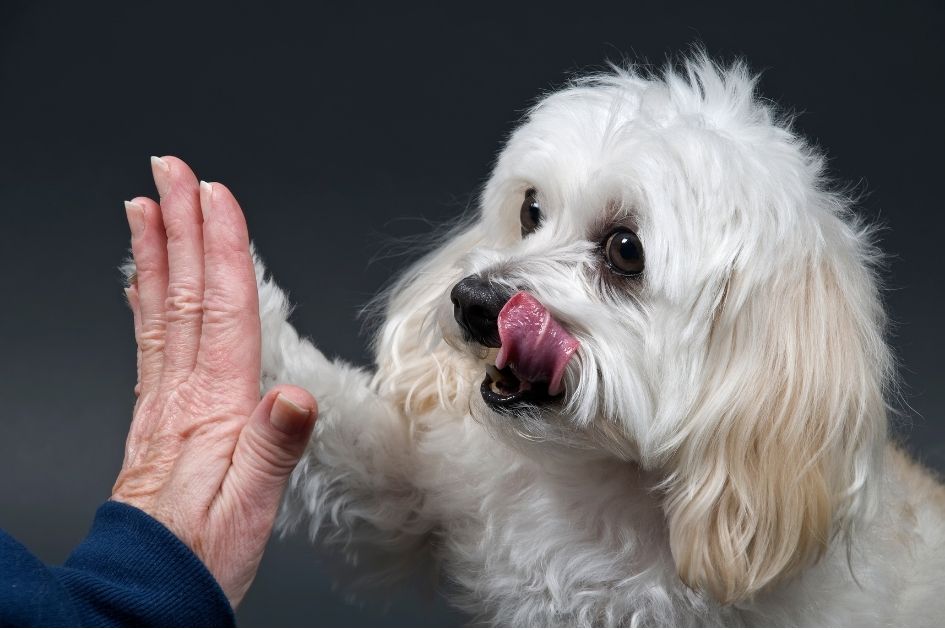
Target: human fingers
272,442
149,249
136,439
134,303
230,333
269,447
180,208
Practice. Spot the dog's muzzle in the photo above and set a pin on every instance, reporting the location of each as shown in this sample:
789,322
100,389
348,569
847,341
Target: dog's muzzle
533,347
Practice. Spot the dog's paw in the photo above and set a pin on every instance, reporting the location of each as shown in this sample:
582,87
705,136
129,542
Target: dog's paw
274,313
129,271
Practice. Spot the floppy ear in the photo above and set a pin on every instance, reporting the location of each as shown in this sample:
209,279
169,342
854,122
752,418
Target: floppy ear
776,457
414,367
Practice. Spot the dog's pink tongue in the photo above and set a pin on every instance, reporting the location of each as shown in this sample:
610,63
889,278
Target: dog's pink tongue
533,342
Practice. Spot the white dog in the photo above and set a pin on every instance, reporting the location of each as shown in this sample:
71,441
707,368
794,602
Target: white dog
645,385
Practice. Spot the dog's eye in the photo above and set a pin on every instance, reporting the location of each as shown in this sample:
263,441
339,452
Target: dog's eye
624,252
530,214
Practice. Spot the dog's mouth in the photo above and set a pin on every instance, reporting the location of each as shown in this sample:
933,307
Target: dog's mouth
503,390
530,362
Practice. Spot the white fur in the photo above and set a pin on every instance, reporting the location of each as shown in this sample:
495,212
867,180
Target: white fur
721,454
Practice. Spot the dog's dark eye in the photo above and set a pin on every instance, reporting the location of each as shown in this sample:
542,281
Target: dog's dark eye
530,214
624,252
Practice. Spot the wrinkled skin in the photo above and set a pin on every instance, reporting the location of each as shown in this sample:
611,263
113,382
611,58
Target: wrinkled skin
205,456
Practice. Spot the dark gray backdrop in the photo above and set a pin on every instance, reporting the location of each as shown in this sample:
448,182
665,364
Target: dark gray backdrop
340,128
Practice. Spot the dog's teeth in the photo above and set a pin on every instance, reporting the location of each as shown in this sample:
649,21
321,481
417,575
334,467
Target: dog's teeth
494,373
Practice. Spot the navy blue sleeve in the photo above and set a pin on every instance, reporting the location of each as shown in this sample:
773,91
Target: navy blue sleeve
129,571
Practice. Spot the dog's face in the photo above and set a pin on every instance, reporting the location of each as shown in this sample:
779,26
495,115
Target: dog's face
633,212
659,274
586,213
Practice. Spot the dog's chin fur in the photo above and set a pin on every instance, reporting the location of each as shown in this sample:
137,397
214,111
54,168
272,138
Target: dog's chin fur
720,453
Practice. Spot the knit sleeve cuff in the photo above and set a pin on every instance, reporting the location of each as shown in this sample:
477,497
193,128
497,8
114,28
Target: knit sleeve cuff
131,570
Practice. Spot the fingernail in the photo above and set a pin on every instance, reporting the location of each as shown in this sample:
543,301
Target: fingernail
206,198
162,174
135,212
288,416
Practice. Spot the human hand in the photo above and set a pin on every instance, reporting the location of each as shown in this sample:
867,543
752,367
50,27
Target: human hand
205,456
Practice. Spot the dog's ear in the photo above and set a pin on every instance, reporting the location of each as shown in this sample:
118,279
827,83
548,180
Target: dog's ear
414,368
789,429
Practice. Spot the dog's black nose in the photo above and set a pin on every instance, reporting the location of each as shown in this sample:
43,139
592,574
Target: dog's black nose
476,306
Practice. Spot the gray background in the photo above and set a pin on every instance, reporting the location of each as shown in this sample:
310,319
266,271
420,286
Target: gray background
342,130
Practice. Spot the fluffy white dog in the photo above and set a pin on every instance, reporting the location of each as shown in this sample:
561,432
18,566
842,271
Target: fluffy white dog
644,385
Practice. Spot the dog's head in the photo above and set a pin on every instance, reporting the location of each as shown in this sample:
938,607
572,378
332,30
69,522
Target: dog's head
658,273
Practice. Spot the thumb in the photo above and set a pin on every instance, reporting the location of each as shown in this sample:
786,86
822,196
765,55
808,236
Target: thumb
271,444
